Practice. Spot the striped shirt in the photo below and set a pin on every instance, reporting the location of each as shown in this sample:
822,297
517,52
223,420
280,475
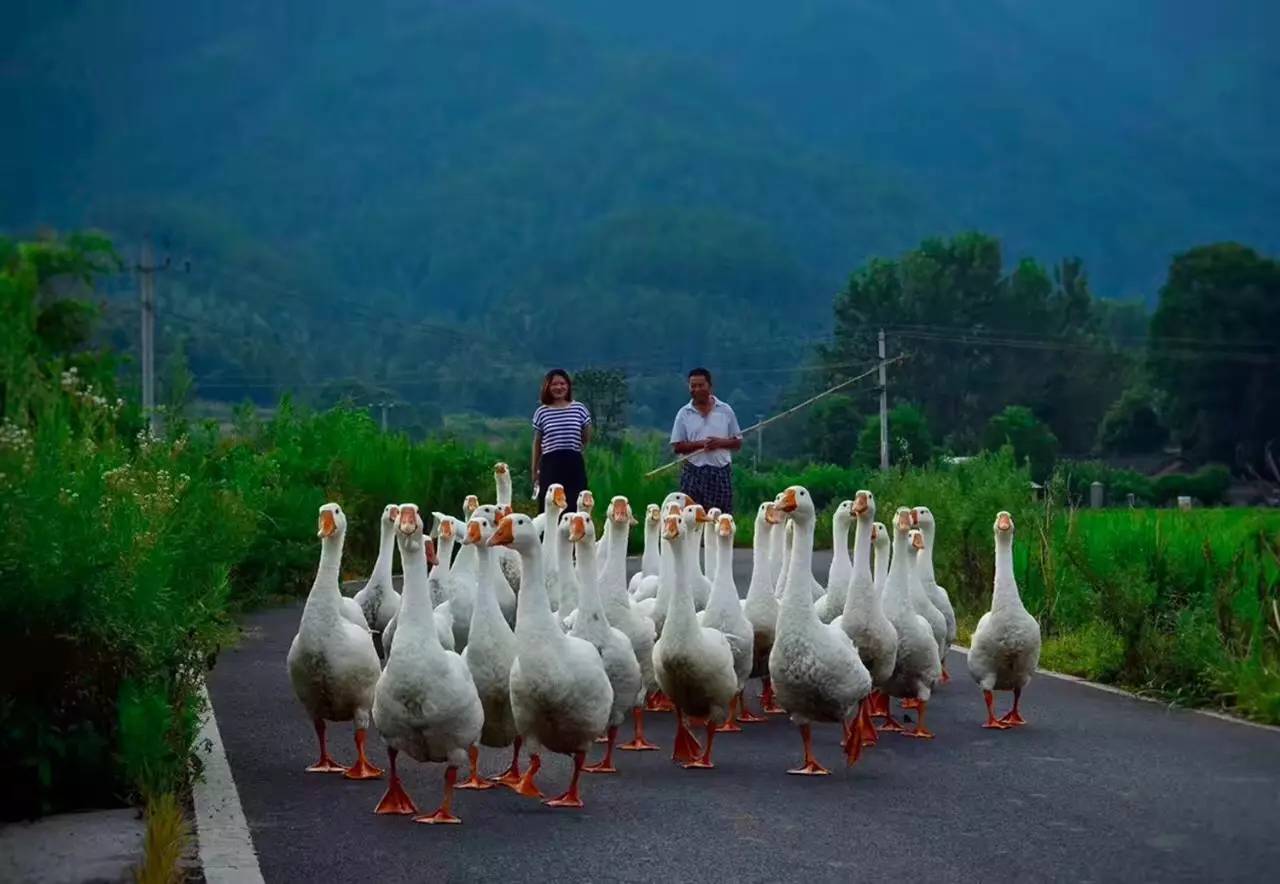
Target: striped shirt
561,428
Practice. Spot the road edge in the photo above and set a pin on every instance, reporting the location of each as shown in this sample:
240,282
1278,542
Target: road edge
225,847
1112,689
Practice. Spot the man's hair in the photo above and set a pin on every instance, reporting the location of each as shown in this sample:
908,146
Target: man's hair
700,372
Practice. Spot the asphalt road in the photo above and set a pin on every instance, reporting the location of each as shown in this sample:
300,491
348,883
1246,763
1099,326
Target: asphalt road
1098,787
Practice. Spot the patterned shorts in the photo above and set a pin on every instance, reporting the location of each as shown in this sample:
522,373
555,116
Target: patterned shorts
709,486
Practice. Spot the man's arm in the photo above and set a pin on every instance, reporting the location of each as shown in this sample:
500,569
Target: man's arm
732,442
680,444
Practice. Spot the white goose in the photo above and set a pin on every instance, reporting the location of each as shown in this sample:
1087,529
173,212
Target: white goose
656,606
778,551
462,582
761,607
882,542
560,694
490,651
620,662
694,664
831,605
333,666
710,561
625,616
507,559
917,665
649,558
569,580
464,564
435,589
378,600
923,518
724,612
816,670
1005,648
426,704
863,619
920,599
554,505
441,581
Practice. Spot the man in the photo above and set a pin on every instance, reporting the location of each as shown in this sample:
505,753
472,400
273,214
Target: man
707,430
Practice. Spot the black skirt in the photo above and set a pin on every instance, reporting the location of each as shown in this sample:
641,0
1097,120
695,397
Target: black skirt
567,468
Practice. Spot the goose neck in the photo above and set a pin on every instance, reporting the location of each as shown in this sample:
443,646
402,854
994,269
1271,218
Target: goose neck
615,568
799,577
924,561
415,601
724,558
589,602
840,538
649,559
681,616
486,598
1005,593
897,584
862,598
325,595
386,550
534,619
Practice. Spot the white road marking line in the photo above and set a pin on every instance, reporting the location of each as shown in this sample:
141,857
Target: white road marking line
1112,689
226,848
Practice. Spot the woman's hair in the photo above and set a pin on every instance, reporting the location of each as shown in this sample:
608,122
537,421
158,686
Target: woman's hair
545,394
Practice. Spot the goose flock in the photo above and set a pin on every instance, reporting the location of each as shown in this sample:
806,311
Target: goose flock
527,635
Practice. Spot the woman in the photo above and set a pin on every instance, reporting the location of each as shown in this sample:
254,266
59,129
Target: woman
561,430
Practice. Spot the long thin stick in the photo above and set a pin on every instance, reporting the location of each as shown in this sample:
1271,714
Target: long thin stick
792,410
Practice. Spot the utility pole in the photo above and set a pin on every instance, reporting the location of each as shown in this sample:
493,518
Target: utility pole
147,295
384,405
147,269
884,405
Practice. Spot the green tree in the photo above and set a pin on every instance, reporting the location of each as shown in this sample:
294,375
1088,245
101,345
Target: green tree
1132,425
980,337
1215,353
834,426
604,392
909,438
1032,441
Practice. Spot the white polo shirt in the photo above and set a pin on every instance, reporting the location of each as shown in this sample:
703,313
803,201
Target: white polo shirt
720,422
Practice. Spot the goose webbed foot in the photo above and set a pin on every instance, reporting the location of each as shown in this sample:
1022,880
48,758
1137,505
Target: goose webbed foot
326,764
731,724
474,781
768,702
605,765
703,762
443,814
659,702
811,767
686,746
992,722
525,785
396,800
570,798
638,742
362,769
919,731
510,776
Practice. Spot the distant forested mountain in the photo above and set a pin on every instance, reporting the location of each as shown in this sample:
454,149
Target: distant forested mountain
430,202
